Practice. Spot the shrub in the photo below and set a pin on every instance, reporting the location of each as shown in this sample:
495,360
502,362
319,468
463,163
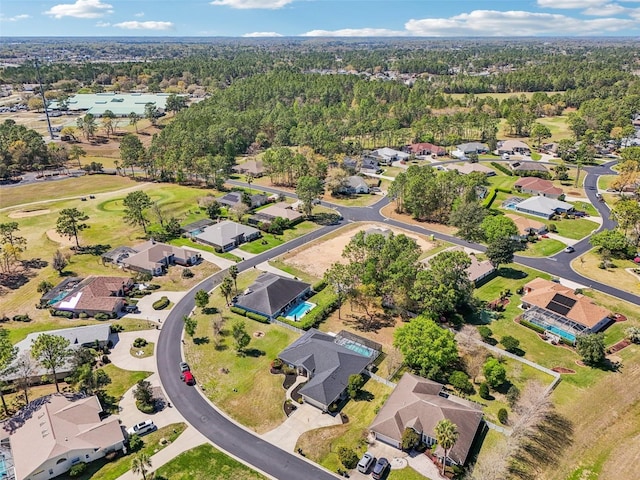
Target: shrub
485,332
633,334
460,381
410,439
139,342
161,304
276,364
62,313
105,360
78,469
347,457
187,273
239,311
146,407
317,315
552,227
116,327
257,317
532,326
503,416
21,318
318,287
484,391
83,315
491,196
101,316
510,344
504,190
135,442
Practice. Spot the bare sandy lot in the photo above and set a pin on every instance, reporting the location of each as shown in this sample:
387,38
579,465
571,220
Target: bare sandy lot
317,257
32,213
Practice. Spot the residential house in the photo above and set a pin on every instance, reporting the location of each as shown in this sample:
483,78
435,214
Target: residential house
277,210
528,168
355,185
272,295
193,229
350,164
527,226
155,258
232,199
473,147
370,165
561,311
467,168
53,433
227,235
327,364
388,155
385,232
250,167
425,148
90,295
543,207
419,404
539,186
86,336
514,147
478,271
550,148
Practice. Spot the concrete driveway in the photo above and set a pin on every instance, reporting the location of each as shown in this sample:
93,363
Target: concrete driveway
145,305
120,352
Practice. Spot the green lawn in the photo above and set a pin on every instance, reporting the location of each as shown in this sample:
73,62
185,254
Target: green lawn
605,181
320,445
575,229
587,207
392,171
502,181
206,463
407,473
248,392
121,380
543,248
268,240
104,470
363,200
617,276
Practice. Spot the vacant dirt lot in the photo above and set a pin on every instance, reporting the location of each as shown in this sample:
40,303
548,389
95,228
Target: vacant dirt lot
317,257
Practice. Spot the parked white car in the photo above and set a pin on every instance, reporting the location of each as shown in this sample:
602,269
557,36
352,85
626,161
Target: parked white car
142,428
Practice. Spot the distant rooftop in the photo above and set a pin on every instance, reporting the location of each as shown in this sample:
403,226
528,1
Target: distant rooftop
121,104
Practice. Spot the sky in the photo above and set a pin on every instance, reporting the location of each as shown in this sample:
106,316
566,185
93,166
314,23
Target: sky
324,18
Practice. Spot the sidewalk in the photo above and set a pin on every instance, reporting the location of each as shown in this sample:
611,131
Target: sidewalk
267,267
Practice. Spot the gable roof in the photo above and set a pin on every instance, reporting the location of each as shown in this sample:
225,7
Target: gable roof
416,148
356,181
467,168
390,152
527,167
539,185
94,293
545,205
514,144
330,364
270,293
57,425
225,232
417,403
282,210
152,254
250,166
525,224
197,225
542,293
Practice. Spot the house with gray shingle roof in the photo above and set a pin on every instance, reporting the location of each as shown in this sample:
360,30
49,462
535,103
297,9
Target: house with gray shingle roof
227,235
355,185
327,365
271,295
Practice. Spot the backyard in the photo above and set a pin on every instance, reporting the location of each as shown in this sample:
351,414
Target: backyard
241,385
269,240
616,276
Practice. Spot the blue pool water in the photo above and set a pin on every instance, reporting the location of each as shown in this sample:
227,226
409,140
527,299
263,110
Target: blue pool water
558,331
359,349
511,206
196,232
57,298
298,311
3,468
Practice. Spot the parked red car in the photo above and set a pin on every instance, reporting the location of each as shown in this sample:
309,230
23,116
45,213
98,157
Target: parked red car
187,377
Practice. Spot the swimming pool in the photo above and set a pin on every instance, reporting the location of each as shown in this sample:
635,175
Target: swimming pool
357,347
298,311
3,468
58,297
558,331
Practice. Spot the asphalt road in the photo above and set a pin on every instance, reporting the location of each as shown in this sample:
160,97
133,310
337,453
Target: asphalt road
246,445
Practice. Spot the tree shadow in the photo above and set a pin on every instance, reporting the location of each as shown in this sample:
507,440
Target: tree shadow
13,281
34,263
364,396
95,250
325,218
221,347
365,324
67,273
201,340
517,351
253,352
511,273
210,310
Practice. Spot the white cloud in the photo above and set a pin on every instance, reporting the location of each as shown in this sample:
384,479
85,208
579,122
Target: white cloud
514,23
568,4
149,25
356,32
15,18
80,9
139,14
249,4
262,34
103,24
606,10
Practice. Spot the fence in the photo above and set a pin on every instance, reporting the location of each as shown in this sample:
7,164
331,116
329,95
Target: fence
286,325
378,378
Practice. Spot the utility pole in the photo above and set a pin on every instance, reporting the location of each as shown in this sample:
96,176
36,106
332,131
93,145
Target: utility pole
44,100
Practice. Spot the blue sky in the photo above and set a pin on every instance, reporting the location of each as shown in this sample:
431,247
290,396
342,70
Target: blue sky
417,18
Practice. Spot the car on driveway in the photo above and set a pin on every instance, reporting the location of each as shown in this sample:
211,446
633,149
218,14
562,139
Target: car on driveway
380,469
365,462
187,377
569,249
184,367
142,428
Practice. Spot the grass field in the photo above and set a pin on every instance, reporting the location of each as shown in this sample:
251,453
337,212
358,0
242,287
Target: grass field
618,277
320,445
248,392
268,240
543,248
121,380
575,229
206,463
500,180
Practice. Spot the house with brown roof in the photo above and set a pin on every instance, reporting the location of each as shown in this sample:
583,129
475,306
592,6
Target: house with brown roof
155,258
514,147
528,168
53,433
419,404
559,310
467,168
539,186
425,148
277,210
252,167
91,295
527,226
478,271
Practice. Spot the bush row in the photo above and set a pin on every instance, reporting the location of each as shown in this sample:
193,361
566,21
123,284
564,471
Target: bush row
321,285
317,315
502,168
257,317
161,304
238,310
491,196
504,190
61,313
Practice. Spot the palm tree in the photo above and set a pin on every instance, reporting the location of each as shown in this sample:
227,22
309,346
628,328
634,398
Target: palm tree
225,288
141,464
446,436
233,273
133,120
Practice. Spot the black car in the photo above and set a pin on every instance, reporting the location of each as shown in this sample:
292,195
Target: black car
380,469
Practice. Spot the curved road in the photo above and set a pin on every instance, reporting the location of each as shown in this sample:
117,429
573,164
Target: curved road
245,444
